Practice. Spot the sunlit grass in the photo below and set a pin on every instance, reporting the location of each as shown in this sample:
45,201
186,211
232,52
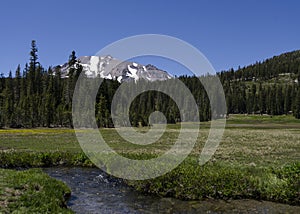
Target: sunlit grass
31,191
262,142
251,161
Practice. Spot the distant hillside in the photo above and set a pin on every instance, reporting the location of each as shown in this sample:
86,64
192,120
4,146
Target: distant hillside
286,64
267,87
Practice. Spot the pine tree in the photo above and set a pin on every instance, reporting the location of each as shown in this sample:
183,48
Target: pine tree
279,100
49,99
73,74
287,99
272,100
254,98
102,112
9,102
17,97
32,85
296,111
261,99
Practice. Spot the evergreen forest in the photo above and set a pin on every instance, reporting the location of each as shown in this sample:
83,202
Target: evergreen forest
35,96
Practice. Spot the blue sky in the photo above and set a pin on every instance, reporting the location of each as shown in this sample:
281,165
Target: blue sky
229,33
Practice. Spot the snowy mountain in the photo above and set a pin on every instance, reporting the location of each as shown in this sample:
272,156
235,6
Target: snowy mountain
110,68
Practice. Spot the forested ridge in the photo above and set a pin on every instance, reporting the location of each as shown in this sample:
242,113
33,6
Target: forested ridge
286,63
35,96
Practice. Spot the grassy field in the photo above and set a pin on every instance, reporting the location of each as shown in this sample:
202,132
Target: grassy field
31,191
248,140
258,157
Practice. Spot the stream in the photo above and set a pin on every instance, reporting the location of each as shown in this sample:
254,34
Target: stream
93,191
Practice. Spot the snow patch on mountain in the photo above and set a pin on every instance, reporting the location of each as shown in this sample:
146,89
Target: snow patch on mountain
111,68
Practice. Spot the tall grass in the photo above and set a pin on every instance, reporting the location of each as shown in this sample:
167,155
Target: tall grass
190,181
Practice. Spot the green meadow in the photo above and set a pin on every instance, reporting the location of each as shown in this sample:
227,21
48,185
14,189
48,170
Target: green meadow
258,158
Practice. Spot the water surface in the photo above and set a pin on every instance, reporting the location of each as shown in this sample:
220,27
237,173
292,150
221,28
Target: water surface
93,191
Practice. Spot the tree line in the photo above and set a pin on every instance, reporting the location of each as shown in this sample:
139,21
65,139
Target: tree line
39,97
286,63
